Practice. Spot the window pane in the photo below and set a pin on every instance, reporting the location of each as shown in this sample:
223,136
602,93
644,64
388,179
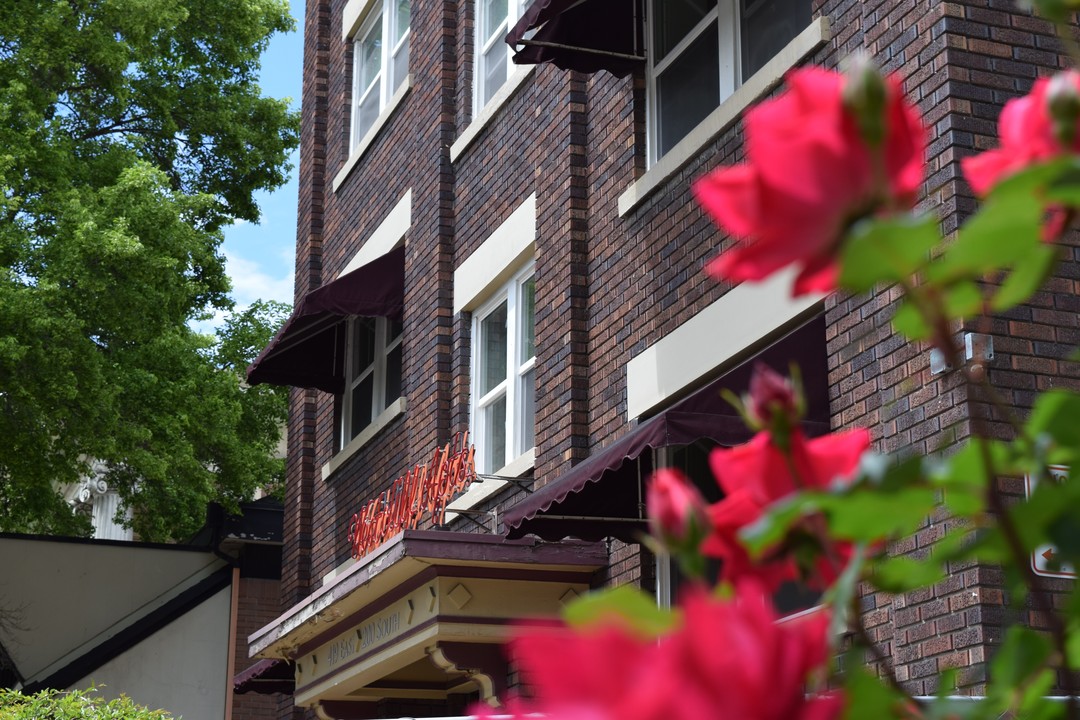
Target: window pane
393,376
494,61
361,415
369,57
673,19
368,111
492,12
495,434
688,90
493,349
400,65
528,312
767,26
393,330
401,21
528,410
363,345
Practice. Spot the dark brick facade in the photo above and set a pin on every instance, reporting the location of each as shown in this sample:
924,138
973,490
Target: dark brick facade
610,286
258,601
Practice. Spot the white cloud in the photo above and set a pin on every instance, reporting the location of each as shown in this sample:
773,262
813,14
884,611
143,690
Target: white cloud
252,282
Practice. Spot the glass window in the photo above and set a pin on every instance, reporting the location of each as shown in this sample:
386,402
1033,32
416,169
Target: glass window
702,50
493,63
379,68
766,26
504,360
373,379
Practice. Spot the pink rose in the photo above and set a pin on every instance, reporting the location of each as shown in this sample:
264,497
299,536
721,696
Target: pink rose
1039,126
809,175
772,400
727,659
676,509
757,474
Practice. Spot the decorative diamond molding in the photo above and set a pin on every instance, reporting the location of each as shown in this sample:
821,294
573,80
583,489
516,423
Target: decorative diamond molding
460,596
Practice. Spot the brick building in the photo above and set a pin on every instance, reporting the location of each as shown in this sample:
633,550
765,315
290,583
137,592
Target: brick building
512,251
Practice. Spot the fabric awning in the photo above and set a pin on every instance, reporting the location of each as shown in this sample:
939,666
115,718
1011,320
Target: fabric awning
583,35
309,350
603,496
266,677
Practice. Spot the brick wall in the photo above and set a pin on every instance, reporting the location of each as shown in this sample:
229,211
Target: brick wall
609,287
960,61
257,604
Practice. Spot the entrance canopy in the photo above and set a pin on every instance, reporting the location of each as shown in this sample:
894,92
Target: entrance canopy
422,617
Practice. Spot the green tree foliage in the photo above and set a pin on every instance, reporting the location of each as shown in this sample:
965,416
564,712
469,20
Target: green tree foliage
131,132
58,705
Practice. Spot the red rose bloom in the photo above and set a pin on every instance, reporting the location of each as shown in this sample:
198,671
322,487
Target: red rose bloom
676,509
810,174
757,474
727,659
1029,133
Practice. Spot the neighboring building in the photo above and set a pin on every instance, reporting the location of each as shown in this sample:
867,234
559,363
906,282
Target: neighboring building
512,251
163,624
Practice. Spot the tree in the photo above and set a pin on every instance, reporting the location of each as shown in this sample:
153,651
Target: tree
131,132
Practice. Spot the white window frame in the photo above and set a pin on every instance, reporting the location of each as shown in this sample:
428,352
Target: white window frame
726,16
512,387
514,9
383,15
378,369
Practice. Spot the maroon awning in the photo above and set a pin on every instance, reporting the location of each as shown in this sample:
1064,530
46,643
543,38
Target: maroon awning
266,677
309,350
584,35
603,495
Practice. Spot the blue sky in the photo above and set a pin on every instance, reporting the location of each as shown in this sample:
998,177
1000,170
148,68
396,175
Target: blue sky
260,257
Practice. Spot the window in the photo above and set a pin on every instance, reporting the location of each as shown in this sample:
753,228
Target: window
379,68
504,378
494,18
702,50
373,374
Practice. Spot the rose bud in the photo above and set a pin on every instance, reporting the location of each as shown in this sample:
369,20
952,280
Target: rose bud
678,517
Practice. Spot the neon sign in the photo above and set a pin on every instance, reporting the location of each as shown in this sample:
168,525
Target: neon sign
422,491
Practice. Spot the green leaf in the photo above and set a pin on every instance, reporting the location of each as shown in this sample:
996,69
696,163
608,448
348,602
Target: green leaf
1017,672
909,321
1034,701
769,530
624,604
867,696
889,499
1065,189
1029,273
887,250
1021,654
963,477
1057,415
872,514
1003,231
962,299
903,574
